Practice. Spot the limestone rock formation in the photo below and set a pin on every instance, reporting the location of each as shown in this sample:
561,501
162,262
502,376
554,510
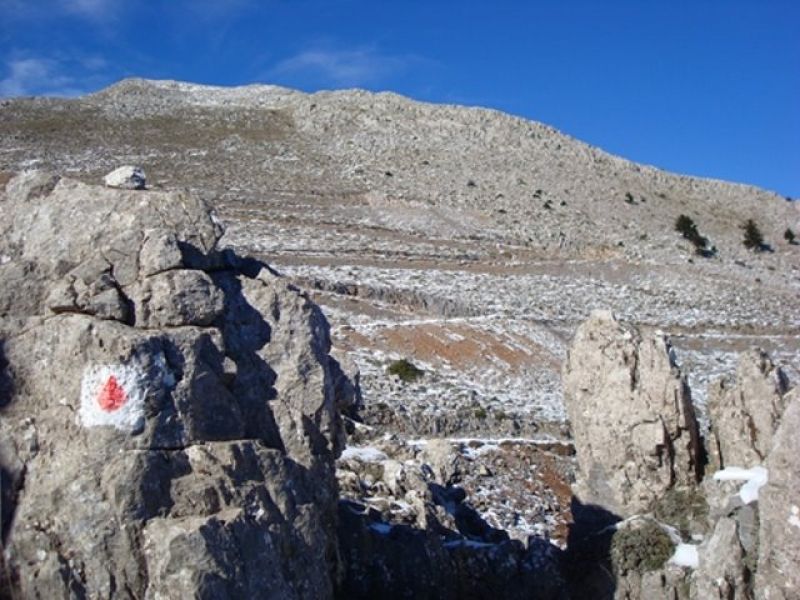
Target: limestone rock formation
126,178
779,509
631,415
750,543
745,412
169,411
722,573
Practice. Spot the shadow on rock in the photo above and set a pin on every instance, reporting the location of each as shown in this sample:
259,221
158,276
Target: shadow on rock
250,379
396,561
468,521
6,382
586,564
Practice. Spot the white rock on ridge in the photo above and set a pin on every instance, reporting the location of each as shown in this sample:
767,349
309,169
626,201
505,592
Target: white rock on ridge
632,418
127,178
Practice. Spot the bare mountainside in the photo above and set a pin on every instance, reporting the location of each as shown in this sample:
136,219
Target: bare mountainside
467,241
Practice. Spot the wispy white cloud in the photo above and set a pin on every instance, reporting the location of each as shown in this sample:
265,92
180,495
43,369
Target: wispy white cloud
91,9
217,8
43,76
94,10
342,67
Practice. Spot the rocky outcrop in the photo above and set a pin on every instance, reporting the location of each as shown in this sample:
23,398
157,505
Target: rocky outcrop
745,411
747,529
631,415
779,509
750,547
169,411
722,573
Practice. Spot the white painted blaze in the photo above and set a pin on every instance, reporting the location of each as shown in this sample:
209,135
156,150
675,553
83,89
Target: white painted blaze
113,395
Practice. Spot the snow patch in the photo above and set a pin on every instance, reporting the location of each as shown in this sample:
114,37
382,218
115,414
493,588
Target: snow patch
381,528
363,454
467,543
685,556
794,517
754,478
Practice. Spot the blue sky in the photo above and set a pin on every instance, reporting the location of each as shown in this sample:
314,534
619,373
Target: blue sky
703,87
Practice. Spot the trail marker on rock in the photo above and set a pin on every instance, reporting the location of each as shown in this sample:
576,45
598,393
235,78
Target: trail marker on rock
113,395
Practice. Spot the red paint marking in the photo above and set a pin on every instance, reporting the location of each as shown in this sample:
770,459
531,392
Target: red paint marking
112,396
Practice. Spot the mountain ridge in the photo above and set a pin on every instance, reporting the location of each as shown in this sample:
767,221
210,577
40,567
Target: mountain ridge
124,86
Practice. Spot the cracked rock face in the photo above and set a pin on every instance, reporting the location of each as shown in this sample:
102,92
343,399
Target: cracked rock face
169,412
631,414
745,413
779,510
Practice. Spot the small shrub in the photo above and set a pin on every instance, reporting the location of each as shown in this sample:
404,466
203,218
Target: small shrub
471,184
640,547
753,238
479,413
548,204
684,509
500,415
405,370
688,229
789,236
629,198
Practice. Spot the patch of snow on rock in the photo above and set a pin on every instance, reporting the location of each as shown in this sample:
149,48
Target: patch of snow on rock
685,556
364,454
754,479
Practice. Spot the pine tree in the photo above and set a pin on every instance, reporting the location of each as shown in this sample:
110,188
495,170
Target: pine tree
753,239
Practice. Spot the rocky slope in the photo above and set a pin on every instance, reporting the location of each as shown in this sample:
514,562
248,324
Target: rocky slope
469,241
